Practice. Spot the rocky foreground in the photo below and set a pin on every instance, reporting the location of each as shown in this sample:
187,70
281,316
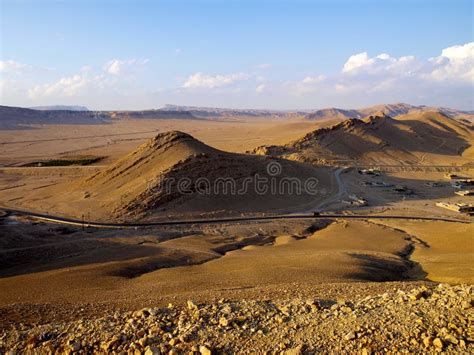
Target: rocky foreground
428,319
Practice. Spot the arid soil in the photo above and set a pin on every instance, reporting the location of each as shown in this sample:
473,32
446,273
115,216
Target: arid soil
423,319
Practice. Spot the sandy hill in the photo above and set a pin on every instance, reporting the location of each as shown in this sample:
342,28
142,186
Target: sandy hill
416,138
177,175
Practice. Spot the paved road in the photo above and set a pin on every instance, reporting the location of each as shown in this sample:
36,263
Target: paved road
341,191
78,222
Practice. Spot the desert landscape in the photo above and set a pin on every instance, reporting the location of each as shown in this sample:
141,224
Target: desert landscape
236,177
90,233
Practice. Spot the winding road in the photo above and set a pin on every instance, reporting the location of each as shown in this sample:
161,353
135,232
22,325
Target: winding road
81,223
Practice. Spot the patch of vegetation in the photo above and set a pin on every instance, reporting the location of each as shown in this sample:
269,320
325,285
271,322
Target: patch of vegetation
65,162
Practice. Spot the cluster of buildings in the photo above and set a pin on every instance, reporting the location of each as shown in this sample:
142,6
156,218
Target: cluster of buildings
464,192
371,171
464,186
457,207
355,201
459,182
376,184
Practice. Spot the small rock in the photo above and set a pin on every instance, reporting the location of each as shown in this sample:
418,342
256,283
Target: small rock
451,339
174,341
111,344
152,350
75,345
418,294
295,351
141,313
285,310
350,336
32,342
223,322
143,341
427,341
192,306
204,350
438,343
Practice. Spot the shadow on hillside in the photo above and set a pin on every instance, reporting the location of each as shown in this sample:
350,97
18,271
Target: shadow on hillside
379,269
41,247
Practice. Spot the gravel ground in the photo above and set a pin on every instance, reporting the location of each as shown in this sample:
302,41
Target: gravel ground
428,318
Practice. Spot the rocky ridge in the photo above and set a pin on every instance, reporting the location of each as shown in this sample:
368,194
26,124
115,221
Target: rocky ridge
428,318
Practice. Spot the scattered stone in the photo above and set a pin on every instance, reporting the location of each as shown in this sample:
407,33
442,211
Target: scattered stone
223,322
438,343
437,321
427,341
451,339
204,350
192,306
294,351
350,336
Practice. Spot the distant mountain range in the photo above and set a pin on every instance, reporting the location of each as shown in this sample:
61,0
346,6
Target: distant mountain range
215,112
14,116
60,108
11,117
392,110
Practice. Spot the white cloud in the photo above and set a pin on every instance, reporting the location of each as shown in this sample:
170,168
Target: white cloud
455,63
117,66
313,79
67,86
199,80
86,82
11,66
361,63
357,61
260,88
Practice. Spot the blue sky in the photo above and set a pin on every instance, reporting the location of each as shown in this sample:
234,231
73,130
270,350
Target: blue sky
263,54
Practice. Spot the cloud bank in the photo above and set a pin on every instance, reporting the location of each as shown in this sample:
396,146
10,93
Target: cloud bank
446,79
200,80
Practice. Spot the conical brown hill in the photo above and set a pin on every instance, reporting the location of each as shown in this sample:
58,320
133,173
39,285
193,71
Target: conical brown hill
145,183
